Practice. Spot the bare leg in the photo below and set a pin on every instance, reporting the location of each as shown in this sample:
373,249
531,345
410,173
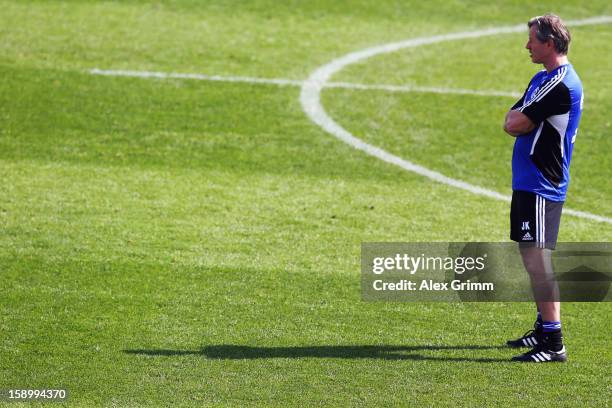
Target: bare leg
538,264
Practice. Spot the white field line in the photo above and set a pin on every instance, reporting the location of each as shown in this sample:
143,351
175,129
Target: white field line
199,77
295,82
311,104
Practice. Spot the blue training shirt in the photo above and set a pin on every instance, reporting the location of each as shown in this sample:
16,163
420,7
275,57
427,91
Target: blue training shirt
541,158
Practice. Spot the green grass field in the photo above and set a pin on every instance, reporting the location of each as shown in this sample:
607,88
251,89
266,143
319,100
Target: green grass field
172,242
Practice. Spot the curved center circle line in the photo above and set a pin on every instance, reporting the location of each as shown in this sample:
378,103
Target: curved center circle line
310,99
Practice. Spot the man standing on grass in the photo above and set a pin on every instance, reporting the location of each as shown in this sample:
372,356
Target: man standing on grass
544,122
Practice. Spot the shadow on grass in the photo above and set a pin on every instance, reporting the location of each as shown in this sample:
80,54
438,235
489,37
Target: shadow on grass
234,352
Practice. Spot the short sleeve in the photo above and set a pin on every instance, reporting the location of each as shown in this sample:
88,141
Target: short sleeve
552,99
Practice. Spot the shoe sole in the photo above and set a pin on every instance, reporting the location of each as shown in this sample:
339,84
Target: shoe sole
559,359
536,362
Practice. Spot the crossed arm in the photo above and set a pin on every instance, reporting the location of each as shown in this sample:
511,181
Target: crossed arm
517,123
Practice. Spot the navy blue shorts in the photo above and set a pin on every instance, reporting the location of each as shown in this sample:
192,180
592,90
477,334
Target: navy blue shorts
534,220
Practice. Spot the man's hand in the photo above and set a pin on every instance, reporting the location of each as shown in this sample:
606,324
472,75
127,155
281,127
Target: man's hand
517,123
